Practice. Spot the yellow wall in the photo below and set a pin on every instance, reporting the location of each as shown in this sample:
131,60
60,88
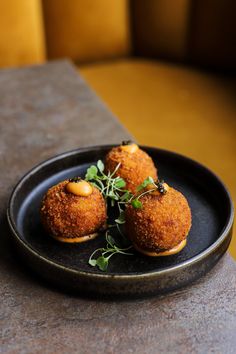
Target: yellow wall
87,30
21,33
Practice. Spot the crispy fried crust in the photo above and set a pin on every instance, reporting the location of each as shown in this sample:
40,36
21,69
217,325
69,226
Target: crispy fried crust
69,217
162,223
134,168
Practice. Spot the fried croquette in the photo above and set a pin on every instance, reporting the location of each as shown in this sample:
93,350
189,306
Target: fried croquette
161,226
73,211
135,165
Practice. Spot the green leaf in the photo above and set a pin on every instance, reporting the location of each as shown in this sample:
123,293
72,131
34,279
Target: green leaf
125,197
121,218
100,165
136,204
102,263
145,183
110,240
91,173
112,195
93,262
120,183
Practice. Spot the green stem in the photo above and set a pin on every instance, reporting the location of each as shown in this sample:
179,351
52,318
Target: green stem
116,169
98,249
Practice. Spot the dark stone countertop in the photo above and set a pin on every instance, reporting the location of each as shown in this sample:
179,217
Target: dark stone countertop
45,110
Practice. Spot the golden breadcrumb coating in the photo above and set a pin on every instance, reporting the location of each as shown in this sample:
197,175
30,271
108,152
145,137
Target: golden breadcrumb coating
134,169
161,224
65,215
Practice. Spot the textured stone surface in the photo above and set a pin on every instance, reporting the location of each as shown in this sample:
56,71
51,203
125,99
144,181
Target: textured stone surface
47,110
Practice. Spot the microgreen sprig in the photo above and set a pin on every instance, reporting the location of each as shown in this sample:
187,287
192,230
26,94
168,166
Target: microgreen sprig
109,185
106,253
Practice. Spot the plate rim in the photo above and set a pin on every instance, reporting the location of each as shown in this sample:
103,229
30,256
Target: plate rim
150,274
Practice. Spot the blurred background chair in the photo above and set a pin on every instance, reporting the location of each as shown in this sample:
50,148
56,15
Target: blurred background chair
165,68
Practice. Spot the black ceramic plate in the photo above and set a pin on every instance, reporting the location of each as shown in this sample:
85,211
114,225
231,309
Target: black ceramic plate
66,265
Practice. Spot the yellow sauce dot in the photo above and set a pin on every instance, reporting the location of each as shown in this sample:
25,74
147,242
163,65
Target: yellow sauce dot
165,185
82,188
130,148
151,186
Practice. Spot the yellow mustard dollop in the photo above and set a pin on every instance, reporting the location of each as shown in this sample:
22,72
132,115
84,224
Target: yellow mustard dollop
130,148
81,188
